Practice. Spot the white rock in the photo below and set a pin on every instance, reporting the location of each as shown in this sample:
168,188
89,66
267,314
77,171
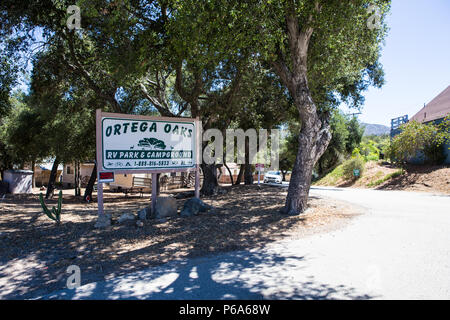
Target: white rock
103,221
126,217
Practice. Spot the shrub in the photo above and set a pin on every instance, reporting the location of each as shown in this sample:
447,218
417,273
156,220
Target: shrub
369,150
418,137
435,153
356,162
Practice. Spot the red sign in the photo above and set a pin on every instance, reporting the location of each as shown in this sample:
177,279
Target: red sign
105,176
259,165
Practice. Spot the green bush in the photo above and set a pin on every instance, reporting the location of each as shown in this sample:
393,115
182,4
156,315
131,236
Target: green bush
369,150
434,153
356,162
418,137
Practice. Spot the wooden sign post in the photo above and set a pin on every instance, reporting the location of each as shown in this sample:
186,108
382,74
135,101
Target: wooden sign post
129,144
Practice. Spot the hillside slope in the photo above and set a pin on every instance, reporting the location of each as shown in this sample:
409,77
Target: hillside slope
387,177
375,129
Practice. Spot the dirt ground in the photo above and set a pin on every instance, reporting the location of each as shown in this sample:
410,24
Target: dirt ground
372,172
421,178
35,252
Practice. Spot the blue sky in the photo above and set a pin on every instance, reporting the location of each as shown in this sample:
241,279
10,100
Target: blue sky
416,60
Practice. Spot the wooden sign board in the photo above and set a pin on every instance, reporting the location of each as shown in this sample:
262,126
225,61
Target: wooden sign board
147,144
142,144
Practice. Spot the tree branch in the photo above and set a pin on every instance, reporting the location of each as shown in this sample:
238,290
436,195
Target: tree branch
190,97
86,75
163,110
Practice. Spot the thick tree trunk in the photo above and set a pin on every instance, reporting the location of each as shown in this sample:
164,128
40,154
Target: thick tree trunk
51,180
210,182
240,174
248,174
313,140
90,185
297,198
314,135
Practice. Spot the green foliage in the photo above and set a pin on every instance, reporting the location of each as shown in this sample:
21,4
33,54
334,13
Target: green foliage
194,58
336,150
381,142
434,153
346,131
355,134
333,177
289,147
418,137
6,83
434,150
354,163
386,178
23,132
369,150
55,213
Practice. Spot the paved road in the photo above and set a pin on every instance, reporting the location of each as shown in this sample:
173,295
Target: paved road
399,249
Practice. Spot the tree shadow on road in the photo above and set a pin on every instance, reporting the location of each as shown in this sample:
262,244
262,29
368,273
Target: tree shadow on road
239,275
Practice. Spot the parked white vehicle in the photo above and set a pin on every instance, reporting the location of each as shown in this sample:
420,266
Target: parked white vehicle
273,176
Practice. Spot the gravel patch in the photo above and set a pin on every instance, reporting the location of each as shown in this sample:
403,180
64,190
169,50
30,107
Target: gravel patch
35,252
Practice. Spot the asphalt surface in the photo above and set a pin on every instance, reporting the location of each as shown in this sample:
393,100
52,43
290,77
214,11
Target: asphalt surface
398,249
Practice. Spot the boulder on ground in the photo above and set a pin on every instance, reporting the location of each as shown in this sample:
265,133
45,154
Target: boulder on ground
125,217
103,221
193,207
184,195
165,207
144,214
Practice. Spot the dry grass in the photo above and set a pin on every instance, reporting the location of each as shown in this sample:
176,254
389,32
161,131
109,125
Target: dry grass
35,252
423,178
372,172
